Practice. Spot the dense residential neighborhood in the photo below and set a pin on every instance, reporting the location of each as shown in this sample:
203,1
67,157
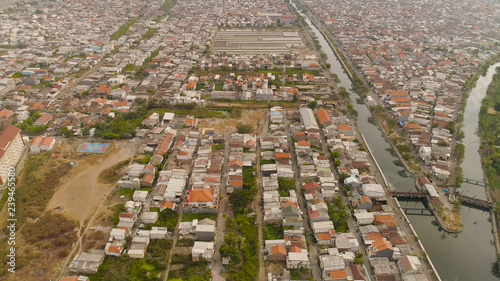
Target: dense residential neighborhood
214,140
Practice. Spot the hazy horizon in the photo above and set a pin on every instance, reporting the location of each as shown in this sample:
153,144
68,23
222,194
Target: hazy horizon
6,3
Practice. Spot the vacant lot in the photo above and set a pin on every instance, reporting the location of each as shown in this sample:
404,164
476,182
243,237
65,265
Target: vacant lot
229,125
81,193
54,204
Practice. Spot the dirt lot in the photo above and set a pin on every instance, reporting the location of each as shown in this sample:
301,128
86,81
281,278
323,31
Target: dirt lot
229,125
81,192
82,195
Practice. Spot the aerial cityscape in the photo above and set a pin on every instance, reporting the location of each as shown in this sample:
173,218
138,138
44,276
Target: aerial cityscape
279,140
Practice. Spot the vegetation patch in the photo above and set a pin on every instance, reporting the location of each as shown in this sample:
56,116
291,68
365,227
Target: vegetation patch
190,217
123,29
151,268
112,175
273,231
338,214
285,185
191,271
241,245
489,131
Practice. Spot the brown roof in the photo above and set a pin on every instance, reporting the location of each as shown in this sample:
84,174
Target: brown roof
382,244
357,272
236,161
7,135
44,119
303,143
278,249
39,141
148,178
338,274
283,155
5,112
323,116
167,204
236,183
324,236
165,144
201,195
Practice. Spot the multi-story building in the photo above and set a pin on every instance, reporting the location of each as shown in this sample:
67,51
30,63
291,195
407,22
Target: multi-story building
11,149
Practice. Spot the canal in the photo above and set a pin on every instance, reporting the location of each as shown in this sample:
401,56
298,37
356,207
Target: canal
465,256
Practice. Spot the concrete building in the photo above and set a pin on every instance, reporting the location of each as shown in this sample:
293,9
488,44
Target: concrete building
11,149
307,118
203,251
40,144
298,260
205,232
87,262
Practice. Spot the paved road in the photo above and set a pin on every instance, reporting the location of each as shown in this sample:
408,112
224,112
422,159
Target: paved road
313,255
221,222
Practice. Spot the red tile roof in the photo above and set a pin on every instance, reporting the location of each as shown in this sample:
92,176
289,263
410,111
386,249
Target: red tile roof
5,113
323,116
303,143
7,135
278,249
201,195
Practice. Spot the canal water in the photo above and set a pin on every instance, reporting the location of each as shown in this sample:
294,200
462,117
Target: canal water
465,256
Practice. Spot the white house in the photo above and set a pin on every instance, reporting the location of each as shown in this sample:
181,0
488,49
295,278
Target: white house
373,190
140,195
204,250
40,144
363,216
298,260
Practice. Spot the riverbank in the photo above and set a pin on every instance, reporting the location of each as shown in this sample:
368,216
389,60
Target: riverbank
464,256
489,118
447,215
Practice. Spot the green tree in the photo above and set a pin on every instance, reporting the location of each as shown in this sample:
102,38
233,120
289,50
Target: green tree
313,104
334,155
240,199
67,133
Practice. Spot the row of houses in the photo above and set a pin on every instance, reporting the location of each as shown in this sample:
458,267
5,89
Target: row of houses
281,206
385,243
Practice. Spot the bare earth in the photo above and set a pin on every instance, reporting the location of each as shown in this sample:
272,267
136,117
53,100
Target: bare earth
81,193
229,125
6,3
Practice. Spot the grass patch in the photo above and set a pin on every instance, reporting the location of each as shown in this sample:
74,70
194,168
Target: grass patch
198,270
190,217
185,242
300,274
285,185
264,162
52,233
244,263
126,268
123,29
166,218
273,231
